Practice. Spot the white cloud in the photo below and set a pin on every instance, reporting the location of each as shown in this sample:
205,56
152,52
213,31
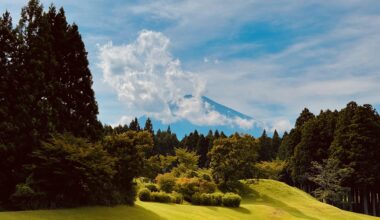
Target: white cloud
323,71
281,125
149,81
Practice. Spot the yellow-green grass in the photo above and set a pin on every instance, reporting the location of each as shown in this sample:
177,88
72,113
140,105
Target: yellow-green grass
266,199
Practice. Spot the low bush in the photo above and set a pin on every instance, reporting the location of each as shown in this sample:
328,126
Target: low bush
189,186
177,198
166,182
231,200
152,187
214,199
161,197
217,198
144,194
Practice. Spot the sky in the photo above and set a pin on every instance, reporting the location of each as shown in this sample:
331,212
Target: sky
267,59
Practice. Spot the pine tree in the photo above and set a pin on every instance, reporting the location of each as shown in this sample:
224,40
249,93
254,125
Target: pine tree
304,117
202,151
265,152
276,143
148,126
8,127
134,125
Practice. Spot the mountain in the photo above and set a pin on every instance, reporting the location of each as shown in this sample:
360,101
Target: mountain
182,127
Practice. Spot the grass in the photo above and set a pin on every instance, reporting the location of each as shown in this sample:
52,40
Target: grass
266,199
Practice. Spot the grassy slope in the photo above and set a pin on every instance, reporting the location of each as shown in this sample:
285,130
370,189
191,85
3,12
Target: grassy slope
266,200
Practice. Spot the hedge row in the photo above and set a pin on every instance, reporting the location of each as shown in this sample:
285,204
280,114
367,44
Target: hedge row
146,195
216,199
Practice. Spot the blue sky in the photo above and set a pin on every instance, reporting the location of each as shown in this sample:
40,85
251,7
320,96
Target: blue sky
267,59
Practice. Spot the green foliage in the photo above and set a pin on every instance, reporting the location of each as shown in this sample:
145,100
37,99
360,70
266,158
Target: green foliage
270,169
233,158
231,200
161,197
152,187
65,162
207,199
134,125
144,194
177,198
328,177
189,186
148,126
165,142
266,152
187,162
158,164
130,149
166,182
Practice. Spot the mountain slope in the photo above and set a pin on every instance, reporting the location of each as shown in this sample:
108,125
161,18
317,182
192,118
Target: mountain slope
182,127
266,199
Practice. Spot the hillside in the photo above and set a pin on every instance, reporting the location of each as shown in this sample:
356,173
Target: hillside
267,199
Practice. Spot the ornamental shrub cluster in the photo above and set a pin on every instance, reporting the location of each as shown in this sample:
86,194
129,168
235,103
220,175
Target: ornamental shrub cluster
216,199
147,196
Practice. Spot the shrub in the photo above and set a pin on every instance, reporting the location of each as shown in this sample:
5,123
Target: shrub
187,187
207,187
206,177
152,187
166,182
177,198
160,197
214,199
196,199
144,194
231,200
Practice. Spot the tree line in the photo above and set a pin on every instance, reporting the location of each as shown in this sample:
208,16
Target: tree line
45,88
336,156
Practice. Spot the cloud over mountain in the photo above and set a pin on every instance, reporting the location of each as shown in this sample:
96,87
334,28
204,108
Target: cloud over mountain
149,81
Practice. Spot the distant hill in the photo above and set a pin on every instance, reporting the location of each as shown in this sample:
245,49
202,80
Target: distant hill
267,199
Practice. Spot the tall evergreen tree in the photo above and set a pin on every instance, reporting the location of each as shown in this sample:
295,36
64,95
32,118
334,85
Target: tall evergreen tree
356,146
276,143
8,127
265,152
148,126
134,125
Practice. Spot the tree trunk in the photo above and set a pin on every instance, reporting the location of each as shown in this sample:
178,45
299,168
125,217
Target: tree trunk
350,198
373,198
365,201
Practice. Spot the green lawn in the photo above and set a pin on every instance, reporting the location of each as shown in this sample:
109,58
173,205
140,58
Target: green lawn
267,199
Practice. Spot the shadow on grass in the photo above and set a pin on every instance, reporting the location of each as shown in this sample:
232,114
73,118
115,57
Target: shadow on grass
147,214
254,197
240,209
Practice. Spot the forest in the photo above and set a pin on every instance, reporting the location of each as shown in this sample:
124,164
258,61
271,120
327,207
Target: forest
56,153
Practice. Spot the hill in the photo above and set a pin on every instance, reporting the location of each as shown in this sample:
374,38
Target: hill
266,199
